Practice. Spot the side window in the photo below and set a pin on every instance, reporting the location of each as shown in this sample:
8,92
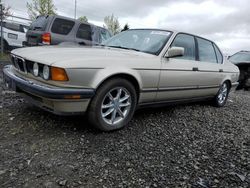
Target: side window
62,26
218,54
188,43
104,35
206,51
84,32
21,28
12,26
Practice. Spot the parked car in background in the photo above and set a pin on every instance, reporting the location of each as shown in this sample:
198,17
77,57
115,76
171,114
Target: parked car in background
52,30
242,60
135,68
14,34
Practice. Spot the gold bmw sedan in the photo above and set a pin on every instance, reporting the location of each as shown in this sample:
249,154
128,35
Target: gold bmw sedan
135,68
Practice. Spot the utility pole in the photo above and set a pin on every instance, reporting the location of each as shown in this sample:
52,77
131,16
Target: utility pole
2,47
48,8
75,9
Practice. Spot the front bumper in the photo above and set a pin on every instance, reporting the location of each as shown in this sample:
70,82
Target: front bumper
51,98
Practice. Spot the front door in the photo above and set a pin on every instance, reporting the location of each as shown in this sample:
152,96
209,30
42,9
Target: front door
180,77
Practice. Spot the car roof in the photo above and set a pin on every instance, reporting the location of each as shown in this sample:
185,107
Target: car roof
16,22
72,19
244,51
174,32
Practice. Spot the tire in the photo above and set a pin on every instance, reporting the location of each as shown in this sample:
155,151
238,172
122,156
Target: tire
113,106
221,97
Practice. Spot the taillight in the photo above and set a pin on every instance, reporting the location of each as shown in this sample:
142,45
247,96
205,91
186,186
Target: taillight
46,38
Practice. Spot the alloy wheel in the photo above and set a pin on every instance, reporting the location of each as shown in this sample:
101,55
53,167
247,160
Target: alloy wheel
116,105
223,92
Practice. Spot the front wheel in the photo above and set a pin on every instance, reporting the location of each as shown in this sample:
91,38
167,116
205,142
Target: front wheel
222,95
113,105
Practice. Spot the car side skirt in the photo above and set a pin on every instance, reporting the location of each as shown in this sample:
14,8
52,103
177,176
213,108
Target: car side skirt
173,102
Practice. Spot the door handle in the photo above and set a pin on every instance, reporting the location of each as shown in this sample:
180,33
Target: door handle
195,69
221,70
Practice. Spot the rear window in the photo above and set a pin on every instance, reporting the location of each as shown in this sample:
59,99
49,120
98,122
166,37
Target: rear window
40,23
62,26
12,26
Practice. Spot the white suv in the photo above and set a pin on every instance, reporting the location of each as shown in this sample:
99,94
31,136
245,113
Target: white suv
14,34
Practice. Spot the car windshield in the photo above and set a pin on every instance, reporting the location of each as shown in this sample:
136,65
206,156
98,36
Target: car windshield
143,40
240,57
39,23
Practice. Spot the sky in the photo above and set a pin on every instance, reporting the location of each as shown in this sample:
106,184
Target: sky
226,22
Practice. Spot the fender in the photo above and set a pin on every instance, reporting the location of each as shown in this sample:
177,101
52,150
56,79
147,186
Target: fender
108,72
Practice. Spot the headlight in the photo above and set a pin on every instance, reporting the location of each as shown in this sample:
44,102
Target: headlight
35,69
46,72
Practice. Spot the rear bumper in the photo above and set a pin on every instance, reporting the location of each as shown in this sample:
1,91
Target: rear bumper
26,44
54,99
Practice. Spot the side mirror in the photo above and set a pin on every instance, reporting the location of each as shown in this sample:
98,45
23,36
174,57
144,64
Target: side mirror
175,52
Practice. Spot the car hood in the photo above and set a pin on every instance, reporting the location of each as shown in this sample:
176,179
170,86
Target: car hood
75,56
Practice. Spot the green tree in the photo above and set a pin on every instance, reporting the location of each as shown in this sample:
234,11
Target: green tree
40,7
83,18
126,27
112,24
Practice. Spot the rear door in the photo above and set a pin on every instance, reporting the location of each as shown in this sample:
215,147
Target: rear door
210,66
62,30
84,34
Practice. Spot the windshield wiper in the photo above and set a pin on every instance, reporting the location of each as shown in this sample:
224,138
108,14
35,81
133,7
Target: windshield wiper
37,28
98,45
121,47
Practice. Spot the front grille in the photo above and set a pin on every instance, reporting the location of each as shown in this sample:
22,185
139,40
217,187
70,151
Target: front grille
21,64
29,66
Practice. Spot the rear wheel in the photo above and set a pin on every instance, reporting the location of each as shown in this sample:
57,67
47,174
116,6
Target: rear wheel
113,105
222,95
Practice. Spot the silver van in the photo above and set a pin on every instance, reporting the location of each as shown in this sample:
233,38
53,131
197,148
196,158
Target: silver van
52,30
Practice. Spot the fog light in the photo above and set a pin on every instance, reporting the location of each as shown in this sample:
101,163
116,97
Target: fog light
46,72
35,69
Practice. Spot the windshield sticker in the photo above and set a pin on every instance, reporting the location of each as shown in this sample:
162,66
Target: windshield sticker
159,33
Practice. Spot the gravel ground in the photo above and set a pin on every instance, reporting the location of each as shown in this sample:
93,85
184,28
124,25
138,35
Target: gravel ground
194,145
